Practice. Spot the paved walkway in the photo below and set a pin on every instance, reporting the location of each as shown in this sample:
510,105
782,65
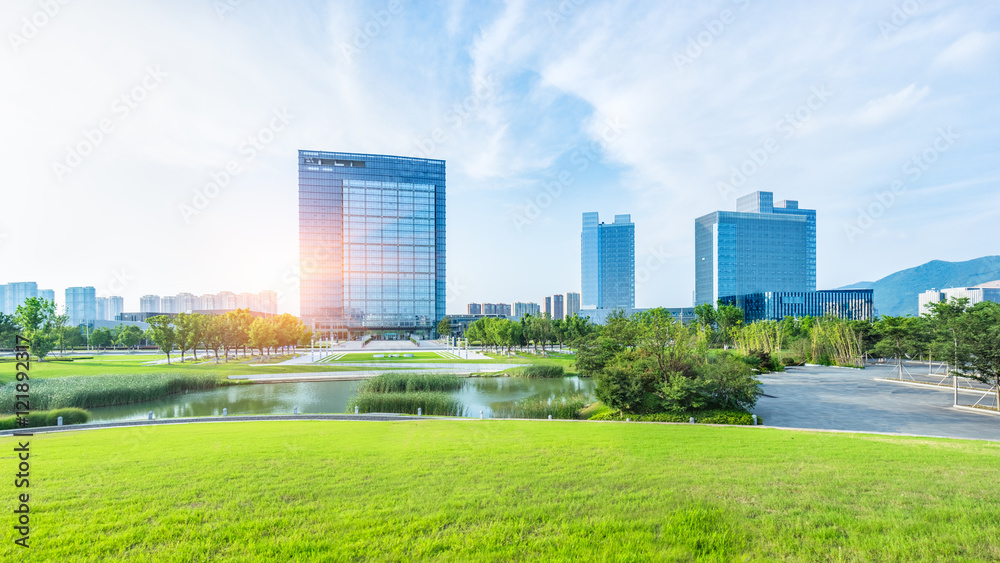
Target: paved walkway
851,399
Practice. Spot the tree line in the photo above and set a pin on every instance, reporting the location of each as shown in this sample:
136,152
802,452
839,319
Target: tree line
502,334
232,331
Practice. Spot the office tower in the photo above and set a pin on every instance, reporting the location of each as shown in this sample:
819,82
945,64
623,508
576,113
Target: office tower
102,308
558,306
149,304
81,305
474,309
572,303
522,309
268,301
607,262
17,293
115,306
47,294
761,247
548,306
975,295
371,242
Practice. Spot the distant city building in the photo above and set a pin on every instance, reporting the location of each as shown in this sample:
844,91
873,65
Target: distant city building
973,294
47,294
81,305
460,323
268,301
372,243
600,316
474,309
607,262
558,306
16,293
498,309
115,305
169,304
851,304
548,306
225,300
149,304
761,247
522,309
572,304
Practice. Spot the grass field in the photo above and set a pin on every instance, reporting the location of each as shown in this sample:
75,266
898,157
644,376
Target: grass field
503,491
370,357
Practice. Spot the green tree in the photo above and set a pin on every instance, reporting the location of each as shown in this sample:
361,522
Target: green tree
8,331
444,327
100,338
162,332
263,335
897,337
129,336
215,329
36,318
979,347
946,321
728,318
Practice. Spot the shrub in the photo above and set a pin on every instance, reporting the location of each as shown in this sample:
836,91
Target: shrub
707,416
536,407
395,382
431,403
728,384
541,372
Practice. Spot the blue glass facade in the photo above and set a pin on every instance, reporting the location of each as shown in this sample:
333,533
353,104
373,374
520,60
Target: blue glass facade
762,247
607,262
851,304
371,242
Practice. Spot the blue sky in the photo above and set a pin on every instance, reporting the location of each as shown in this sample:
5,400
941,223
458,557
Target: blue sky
880,115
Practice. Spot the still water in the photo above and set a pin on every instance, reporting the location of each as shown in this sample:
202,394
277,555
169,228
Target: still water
478,393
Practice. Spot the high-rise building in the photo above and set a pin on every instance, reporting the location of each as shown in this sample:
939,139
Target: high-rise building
268,301
371,243
607,262
558,306
975,295
522,309
81,305
47,294
572,303
548,306
17,293
474,309
501,309
115,306
225,300
169,304
102,309
761,247
149,304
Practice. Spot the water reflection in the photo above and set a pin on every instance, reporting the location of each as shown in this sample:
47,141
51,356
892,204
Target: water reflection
478,393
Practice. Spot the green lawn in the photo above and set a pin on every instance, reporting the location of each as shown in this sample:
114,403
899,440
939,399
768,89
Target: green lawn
136,364
370,357
503,491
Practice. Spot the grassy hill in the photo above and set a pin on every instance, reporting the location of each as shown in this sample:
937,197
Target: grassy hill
503,491
896,294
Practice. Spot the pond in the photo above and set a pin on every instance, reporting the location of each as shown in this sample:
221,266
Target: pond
478,393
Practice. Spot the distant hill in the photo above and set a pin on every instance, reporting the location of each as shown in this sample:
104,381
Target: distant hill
896,294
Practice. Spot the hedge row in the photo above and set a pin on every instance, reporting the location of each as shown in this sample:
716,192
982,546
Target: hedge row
700,417
47,418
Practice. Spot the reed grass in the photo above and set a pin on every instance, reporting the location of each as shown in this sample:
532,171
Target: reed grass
535,407
87,392
394,382
430,403
540,372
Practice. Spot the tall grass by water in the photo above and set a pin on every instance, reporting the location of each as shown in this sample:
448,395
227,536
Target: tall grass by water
536,407
394,382
539,372
105,390
430,402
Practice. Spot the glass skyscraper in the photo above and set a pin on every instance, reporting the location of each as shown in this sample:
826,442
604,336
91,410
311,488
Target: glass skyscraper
81,305
761,247
607,262
371,243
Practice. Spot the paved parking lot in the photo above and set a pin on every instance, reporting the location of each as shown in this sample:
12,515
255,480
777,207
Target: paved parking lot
850,399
